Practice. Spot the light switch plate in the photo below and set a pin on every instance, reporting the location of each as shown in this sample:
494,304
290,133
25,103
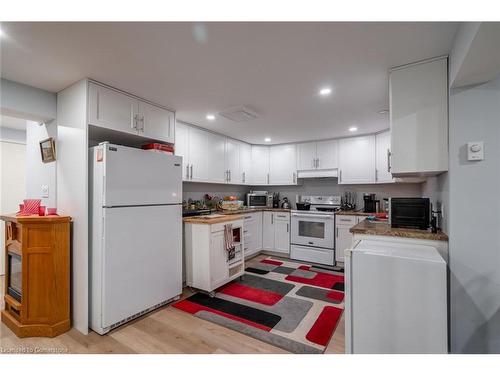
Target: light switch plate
45,191
475,151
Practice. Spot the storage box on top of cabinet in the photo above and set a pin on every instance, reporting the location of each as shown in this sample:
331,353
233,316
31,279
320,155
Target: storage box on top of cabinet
418,95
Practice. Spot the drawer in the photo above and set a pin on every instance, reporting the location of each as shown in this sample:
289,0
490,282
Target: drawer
281,216
346,220
311,254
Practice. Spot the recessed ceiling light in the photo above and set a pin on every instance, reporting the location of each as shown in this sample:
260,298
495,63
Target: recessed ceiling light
267,139
383,111
325,91
210,117
353,129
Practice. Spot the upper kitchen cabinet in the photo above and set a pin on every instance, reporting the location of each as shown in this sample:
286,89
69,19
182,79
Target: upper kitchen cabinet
216,157
357,160
182,148
156,123
317,159
232,155
419,118
197,158
245,162
113,109
383,150
282,165
260,165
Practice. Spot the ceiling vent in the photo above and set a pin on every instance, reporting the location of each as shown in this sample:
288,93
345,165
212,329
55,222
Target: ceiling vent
239,114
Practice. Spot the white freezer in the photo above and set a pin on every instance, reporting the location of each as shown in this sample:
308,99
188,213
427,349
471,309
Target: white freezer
396,299
132,176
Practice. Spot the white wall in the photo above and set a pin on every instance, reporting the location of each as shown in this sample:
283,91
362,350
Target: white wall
474,220
37,172
12,184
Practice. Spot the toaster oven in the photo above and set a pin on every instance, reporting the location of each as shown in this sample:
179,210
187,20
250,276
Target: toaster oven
414,213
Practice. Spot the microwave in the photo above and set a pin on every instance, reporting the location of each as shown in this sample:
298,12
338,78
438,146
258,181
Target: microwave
257,199
413,213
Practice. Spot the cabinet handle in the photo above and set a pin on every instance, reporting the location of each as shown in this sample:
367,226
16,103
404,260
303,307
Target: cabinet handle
243,177
191,172
142,121
294,177
248,217
229,175
268,178
340,175
133,125
388,160
376,174
272,219
317,163
187,171
314,163
337,232
287,227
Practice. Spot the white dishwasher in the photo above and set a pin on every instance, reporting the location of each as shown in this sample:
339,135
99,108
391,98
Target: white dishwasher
396,298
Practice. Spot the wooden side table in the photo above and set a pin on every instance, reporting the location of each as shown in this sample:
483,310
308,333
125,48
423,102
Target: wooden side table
37,279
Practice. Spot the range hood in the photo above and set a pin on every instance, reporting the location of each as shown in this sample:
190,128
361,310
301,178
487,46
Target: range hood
318,173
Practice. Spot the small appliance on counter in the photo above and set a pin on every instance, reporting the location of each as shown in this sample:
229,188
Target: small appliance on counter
285,203
370,203
276,200
259,199
413,213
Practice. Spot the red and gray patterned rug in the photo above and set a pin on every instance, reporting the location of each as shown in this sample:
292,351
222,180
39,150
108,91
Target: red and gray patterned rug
291,305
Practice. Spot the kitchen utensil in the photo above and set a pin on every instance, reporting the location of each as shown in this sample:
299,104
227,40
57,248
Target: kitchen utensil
285,203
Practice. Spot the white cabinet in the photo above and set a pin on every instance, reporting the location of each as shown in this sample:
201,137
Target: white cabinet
156,123
276,232
215,157
317,155
252,233
343,236
357,160
282,165
281,232
418,97
207,263
234,175
198,160
383,147
260,165
116,110
306,156
245,162
112,109
327,154
182,148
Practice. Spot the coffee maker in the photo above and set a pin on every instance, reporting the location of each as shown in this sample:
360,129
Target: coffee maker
370,203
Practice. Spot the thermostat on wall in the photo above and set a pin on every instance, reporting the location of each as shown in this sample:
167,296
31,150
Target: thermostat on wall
475,151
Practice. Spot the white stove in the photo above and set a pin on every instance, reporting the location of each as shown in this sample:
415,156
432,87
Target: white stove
313,230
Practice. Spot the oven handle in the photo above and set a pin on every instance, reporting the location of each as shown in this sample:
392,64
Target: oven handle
318,216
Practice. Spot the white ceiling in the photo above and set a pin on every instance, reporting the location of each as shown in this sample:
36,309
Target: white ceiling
12,123
274,68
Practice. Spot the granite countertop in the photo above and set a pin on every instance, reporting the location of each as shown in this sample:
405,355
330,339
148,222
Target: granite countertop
354,213
211,219
379,228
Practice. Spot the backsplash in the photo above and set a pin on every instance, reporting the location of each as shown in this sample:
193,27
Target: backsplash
312,186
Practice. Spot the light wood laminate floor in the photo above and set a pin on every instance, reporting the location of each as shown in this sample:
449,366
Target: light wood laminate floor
166,330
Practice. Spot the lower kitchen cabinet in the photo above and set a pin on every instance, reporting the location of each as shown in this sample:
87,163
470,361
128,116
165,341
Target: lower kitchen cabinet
343,236
276,232
207,263
252,233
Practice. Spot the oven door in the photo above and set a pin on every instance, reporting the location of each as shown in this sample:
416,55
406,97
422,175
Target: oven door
313,230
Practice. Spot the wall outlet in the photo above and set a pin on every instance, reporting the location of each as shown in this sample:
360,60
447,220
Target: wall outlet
45,191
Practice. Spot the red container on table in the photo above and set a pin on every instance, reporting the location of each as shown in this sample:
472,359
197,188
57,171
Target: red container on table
159,147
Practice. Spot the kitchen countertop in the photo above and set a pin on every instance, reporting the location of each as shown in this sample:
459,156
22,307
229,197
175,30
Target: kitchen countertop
211,219
249,210
379,228
354,213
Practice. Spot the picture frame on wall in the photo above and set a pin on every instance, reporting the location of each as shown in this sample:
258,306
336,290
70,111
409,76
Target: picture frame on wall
48,150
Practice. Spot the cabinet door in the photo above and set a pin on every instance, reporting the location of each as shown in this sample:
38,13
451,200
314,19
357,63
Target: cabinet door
232,165
282,165
268,231
327,154
245,163
156,123
112,109
260,165
215,155
198,149
382,145
343,240
418,99
219,270
306,156
357,160
282,233
182,148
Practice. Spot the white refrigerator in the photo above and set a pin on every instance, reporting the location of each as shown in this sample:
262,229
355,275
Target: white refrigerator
135,233
395,298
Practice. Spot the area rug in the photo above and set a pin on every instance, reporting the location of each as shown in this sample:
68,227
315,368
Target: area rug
291,305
